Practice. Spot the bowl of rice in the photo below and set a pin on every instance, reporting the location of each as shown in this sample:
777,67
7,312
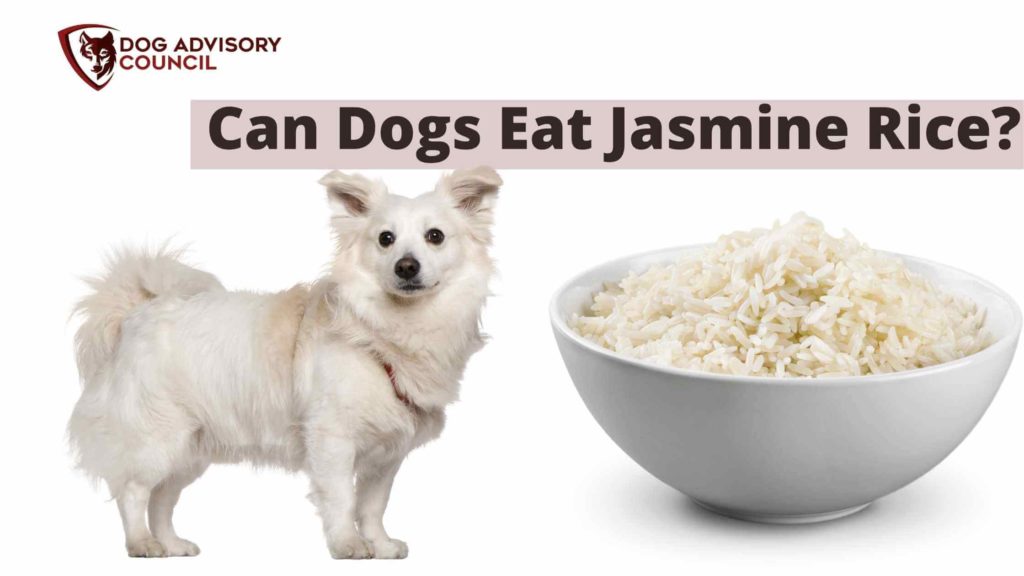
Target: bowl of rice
785,375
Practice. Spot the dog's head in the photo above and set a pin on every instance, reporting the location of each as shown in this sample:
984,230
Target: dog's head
412,248
99,50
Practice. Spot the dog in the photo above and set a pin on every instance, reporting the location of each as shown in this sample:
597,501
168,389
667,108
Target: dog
340,378
101,50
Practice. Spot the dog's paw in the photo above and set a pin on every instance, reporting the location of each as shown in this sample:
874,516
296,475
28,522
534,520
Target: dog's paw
180,547
390,549
351,548
146,548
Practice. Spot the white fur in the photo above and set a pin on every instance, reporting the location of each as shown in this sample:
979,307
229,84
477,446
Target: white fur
179,373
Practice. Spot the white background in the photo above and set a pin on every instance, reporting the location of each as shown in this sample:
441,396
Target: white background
522,479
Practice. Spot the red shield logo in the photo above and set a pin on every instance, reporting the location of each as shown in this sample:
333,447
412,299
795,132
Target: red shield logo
91,50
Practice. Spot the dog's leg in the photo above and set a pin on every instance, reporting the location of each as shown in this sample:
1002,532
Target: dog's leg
161,510
132,502
372,493
332,469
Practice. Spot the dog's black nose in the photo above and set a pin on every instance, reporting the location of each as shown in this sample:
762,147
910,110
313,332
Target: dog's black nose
407,267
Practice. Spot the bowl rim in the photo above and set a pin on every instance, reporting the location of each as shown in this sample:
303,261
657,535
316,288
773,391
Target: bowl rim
561,327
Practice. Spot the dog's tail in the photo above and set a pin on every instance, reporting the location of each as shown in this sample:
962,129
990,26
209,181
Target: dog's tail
132,277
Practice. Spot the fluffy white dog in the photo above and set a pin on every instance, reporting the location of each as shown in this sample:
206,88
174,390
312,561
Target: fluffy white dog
340,379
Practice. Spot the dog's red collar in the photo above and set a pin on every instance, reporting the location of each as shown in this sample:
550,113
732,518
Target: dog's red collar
394,383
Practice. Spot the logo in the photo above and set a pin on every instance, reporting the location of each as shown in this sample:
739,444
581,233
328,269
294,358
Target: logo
96,51
91,50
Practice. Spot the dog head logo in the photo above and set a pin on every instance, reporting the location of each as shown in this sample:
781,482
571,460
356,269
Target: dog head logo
91,49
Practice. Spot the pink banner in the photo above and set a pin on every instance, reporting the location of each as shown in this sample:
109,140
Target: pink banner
607,134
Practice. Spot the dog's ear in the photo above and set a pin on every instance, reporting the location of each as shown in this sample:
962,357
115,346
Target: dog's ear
84,38
352,195
473,192
108,38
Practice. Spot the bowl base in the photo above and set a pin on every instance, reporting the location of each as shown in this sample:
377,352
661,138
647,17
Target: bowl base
781,518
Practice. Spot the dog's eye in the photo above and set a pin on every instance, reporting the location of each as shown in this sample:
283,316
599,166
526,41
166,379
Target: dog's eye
386,239
435,236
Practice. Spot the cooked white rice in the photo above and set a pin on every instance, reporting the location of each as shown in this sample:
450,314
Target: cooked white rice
790,301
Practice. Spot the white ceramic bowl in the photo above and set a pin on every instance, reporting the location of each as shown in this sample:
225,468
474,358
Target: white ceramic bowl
785,450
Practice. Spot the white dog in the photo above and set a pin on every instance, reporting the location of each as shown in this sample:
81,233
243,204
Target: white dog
340,379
